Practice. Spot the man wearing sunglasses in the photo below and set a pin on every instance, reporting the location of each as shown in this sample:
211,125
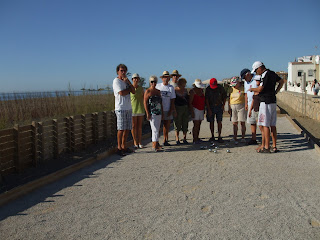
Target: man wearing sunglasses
122,88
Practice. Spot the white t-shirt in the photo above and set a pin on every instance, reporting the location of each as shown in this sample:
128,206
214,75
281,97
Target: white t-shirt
121,102
251,84
167,93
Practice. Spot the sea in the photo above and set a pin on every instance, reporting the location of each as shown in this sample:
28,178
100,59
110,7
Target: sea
27,95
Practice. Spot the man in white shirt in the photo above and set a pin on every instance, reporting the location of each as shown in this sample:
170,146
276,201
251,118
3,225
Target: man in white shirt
168,96
121,89
250,82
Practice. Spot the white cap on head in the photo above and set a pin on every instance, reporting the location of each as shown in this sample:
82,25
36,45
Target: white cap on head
135,75
255,65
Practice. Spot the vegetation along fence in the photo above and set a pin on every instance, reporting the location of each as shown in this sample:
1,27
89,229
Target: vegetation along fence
24,146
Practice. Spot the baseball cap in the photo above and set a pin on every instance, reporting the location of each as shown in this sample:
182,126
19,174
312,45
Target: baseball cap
244,72
255,65
234,81
135,75
213,83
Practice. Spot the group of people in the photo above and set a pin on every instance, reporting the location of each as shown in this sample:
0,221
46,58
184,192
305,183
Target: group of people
252,99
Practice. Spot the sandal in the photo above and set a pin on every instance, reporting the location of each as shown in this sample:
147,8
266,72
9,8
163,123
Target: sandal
264,150
275,149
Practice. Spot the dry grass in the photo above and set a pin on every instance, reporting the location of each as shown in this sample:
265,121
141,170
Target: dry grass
43,106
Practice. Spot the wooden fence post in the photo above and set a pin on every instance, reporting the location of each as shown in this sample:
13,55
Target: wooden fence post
55,138
105,125
40,141
83,129
34,143
94,127
72,135
17,141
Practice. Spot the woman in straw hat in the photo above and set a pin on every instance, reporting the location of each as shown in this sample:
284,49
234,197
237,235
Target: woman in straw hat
181,104
153,107
137,111
196,106
174,78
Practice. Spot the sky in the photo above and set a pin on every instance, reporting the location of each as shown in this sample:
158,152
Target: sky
49,45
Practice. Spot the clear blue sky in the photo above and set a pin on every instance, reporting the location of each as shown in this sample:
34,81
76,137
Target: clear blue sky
47,44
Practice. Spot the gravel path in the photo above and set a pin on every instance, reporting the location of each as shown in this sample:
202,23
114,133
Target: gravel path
184,192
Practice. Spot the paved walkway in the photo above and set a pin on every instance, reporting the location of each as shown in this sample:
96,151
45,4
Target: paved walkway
182,193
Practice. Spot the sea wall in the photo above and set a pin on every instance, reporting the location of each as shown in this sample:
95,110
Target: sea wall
296,101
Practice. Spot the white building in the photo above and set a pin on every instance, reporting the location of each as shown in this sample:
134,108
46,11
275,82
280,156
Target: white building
308,65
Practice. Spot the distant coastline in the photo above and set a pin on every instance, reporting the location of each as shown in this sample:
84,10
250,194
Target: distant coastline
23,95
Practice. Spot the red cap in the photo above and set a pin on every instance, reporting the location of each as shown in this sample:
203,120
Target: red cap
213,83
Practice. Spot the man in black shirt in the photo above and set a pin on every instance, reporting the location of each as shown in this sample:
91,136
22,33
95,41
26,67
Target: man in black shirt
215,100
268,107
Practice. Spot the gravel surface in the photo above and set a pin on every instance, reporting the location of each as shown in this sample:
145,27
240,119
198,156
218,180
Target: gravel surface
184,192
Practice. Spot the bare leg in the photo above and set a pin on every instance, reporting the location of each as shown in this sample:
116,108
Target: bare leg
266,131
219,128
124,139
262,139
139,129
166,126
212,129
243,129
177,135
254,131
134,130
119,138
274,136
235,130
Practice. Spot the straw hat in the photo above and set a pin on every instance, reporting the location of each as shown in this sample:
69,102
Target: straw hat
175,73
165,74
198,83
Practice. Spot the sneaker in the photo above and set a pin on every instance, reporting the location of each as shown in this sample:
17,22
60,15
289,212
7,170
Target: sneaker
234,141
135,146
220,140
166,143
243,140
178,142
212,139
140,146
185,141
252,142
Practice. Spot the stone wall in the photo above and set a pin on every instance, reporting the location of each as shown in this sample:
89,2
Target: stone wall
295,101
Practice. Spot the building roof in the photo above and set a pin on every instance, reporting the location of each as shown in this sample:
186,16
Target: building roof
301,63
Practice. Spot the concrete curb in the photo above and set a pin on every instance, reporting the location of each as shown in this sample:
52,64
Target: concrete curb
22,190
307,137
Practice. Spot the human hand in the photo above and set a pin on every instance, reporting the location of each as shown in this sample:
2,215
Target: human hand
249,113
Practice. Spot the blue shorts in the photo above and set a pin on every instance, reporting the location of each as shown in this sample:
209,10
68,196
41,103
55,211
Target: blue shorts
216,113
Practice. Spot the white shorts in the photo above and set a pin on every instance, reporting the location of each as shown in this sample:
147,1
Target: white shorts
198,114
254,117
267,114
239,113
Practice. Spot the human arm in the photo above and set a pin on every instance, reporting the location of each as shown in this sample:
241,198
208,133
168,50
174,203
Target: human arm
280,84
246,101
145,103
129,90
251,107
191,96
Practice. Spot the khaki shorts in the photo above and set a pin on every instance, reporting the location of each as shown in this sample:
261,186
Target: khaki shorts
254,117
239,113
166,117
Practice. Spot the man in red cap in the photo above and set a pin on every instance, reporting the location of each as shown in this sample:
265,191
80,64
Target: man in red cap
215,100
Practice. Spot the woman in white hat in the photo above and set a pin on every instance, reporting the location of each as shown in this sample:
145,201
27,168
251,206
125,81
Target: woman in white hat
196,106
137,111
237,108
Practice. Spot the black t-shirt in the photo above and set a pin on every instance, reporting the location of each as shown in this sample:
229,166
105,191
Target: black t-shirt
268,81
215,97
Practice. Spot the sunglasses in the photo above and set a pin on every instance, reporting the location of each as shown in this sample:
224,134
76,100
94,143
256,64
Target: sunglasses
153,82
